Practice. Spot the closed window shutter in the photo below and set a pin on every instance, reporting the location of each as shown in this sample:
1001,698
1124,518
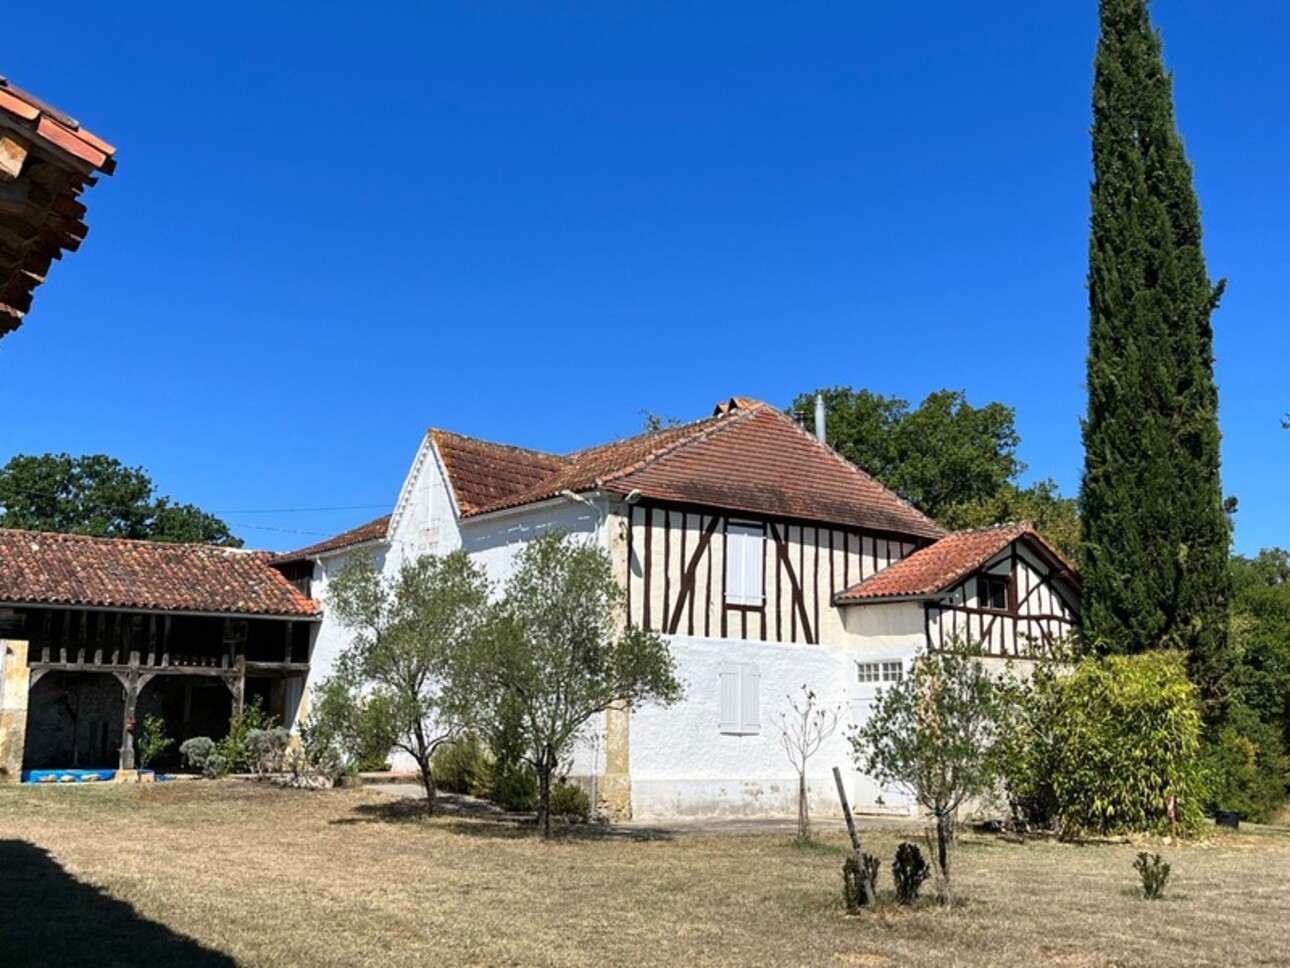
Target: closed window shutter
743,564
750,699
729,715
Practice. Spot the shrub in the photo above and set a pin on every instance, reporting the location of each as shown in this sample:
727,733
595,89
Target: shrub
232,747
570,801
1126,744
515,788
216,766
1246,767
909,870
852,887
153,740
462,766
196,751
1154,873
266,749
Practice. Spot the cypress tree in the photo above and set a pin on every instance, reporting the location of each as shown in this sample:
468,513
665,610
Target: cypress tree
1155,532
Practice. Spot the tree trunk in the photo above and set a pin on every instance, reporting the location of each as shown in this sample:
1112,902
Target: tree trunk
428,784
427,777
545,766
803,811
943,834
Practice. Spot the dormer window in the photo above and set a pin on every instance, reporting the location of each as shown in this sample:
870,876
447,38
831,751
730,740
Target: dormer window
992,592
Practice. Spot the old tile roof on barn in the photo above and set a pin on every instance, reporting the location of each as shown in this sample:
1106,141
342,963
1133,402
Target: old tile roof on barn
747,456
942,565
372,531
40,568
46,161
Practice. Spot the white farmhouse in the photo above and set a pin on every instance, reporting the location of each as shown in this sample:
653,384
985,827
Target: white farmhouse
766,560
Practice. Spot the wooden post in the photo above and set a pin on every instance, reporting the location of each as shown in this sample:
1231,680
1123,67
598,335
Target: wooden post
237,683
866,885
130,680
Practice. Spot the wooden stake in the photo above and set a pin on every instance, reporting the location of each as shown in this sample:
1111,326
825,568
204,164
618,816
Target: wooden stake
866,885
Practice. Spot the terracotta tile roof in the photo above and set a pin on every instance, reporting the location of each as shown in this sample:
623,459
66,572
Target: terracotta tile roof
485,475
46,161
37,567
747,456
372,531
939,566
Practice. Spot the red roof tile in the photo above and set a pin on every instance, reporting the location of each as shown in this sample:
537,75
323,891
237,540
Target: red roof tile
939,566
55,159
485,475
746,457
372,531
40,568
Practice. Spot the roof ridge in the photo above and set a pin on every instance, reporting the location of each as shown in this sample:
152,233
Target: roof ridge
857,469
435,432
716,424
150,542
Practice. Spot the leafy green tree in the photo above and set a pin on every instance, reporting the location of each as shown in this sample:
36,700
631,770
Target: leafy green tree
560,655
1054,516
1155,535
398,684
1246,751
98,495
936,733
940,454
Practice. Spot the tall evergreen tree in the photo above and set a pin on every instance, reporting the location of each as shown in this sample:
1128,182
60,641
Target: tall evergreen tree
1155,532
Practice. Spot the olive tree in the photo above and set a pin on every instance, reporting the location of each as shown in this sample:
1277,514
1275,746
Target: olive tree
934,734
560,654
398,685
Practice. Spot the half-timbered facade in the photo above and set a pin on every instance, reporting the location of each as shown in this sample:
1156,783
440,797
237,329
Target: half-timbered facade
759,553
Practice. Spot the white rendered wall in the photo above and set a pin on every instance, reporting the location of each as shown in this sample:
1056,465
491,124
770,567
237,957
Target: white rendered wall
682,765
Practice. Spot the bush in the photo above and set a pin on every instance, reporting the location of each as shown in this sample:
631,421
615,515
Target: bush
1126,744
462,766
153,740
570,801
1246,767
233,747
1154,873
852,889
514,788
196,751
216,766
266,749
909,870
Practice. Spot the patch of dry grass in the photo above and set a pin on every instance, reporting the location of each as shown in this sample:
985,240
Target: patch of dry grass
232,870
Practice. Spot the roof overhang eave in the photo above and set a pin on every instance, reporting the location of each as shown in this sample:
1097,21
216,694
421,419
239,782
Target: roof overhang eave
195,613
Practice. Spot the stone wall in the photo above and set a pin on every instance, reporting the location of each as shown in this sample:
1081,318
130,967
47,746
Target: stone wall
13,708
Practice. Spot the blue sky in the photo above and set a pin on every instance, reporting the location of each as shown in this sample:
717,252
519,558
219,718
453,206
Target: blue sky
528,222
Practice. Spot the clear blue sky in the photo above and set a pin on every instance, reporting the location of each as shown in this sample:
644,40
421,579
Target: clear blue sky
528,221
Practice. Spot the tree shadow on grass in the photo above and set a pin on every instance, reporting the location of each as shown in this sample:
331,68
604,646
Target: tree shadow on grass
492,826
49,918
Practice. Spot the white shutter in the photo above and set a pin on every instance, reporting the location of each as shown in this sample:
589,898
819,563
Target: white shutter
750,699
743,564
729,715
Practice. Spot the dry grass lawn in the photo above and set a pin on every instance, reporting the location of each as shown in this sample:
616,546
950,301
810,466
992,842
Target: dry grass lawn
200,874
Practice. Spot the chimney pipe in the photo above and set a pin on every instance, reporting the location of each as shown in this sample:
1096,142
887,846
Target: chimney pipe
819,418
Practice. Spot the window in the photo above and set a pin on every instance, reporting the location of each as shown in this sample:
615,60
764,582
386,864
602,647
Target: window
992,592
740,712
745,544
880,671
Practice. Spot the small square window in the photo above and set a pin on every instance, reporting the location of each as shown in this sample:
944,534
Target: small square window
893,671
868,671
992,592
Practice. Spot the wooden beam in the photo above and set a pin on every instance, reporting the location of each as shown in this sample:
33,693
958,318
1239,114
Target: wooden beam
13,154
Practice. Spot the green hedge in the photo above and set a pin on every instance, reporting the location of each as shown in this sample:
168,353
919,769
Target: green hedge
1127,737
